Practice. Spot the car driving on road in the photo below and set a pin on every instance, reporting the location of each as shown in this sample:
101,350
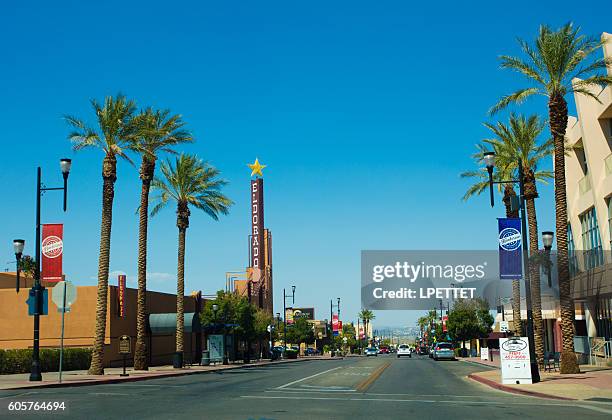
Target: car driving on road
404,350
371,351
443,351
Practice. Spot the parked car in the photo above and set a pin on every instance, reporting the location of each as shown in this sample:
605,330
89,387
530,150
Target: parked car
383,350
404,350
422,350
371,351
444,351
311,351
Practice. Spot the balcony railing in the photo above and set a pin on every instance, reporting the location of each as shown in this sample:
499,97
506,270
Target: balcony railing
584,185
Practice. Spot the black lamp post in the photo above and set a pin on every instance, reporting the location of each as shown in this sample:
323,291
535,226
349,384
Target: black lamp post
285,296
547,241
489,159
18,245
37,289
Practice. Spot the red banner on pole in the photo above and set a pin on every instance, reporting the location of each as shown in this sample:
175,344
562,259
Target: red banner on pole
121,296
444,320
335,324
52,248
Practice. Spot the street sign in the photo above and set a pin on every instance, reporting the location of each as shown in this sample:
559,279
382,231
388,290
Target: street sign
515,361
44,302
125,344
125,348
57,296
484,353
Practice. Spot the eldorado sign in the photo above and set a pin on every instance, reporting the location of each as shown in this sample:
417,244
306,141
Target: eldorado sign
52,248
257,223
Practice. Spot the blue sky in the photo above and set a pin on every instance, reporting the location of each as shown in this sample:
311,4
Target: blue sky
365,113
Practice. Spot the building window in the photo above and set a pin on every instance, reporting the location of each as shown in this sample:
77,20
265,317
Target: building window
571,250
591,240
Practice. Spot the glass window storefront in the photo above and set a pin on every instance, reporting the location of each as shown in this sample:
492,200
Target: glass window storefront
591,239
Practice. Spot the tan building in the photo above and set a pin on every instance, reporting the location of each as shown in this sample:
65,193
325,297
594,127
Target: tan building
17,327
588,174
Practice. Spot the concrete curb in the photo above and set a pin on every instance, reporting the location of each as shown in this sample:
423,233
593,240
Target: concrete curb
505,388
116,379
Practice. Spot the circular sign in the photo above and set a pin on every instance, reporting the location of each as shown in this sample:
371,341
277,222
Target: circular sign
514,345
52,246
509,239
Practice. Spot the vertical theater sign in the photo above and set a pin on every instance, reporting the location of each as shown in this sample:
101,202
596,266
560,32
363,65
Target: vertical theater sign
259,279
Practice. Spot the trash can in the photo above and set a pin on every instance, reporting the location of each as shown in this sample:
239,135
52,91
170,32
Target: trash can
205,357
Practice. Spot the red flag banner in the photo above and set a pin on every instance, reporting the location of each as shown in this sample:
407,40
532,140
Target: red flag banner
52,248
335,324
121,296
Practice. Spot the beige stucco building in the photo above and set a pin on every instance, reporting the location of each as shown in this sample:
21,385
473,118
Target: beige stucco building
588,174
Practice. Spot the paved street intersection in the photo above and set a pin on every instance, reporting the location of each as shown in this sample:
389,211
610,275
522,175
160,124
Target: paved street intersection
376,387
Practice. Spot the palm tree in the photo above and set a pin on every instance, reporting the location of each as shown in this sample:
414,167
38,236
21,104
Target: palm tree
158,131
481,185
519,140
114,135
554,67
366,315
190,183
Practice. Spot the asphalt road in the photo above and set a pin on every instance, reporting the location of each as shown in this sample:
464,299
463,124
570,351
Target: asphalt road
353,388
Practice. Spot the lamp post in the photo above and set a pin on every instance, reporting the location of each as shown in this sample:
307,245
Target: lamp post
37,288
547,241
489,159
18,245
285,296
331,319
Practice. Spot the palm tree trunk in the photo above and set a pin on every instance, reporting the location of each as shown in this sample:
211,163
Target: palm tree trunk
180,291
516,284
147,169
557,110
182,222
109,176
534,274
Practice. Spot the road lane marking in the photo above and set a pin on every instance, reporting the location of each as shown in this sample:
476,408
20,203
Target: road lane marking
308,377
365,384
421,401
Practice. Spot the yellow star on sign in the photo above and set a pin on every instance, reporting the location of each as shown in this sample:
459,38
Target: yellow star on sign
256,168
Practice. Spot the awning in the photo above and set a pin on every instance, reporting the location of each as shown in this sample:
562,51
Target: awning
165,324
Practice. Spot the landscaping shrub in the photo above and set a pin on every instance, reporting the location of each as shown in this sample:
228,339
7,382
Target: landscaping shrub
20,360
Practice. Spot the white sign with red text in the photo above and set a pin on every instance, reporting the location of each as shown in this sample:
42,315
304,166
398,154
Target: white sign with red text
515,362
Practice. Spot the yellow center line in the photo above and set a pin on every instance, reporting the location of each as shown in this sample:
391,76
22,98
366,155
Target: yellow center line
365,384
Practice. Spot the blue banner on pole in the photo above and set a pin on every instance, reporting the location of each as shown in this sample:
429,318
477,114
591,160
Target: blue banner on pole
510,249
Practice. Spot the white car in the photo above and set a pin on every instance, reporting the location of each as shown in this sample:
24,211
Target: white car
404,350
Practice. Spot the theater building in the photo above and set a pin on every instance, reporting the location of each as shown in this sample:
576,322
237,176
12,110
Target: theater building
17,326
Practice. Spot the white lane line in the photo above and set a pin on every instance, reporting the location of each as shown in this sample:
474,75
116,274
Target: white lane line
599,409
424,401
308,377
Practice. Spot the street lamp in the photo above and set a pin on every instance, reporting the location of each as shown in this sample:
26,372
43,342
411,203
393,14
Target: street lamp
285,296
489,159
38,289
18,245
547,241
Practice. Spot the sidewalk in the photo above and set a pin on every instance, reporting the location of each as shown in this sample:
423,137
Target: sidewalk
112,375
593,383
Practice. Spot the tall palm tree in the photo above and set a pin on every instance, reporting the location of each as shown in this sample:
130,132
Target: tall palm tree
554,66
190,183
519,140
366,315
158,131
481,185
113,136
